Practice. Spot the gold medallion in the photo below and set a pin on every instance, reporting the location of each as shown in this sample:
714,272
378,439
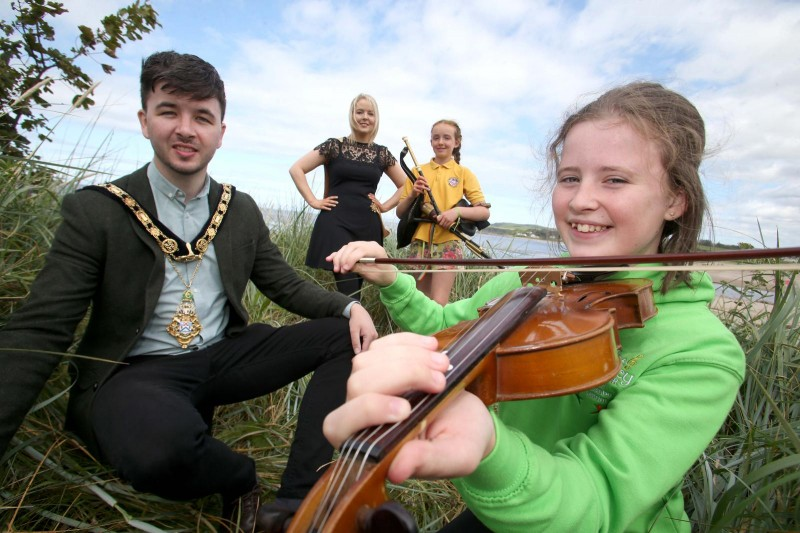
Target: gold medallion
185,325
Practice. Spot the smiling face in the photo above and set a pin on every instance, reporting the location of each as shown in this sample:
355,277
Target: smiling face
443,142
611,195
363,120
184,133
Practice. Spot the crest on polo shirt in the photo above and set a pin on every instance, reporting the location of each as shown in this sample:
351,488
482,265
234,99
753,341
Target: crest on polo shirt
453,182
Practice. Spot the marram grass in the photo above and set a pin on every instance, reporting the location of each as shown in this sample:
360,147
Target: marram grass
748,479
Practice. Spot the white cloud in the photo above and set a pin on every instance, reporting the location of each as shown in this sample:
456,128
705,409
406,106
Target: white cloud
507,71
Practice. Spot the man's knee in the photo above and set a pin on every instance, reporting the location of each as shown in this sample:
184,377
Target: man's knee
337,333
162,468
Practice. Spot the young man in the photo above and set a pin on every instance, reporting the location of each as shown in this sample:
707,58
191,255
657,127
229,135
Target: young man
163,257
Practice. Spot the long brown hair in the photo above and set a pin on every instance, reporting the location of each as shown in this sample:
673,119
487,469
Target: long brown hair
675,125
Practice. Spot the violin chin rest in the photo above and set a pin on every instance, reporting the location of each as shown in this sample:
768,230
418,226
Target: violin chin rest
389,517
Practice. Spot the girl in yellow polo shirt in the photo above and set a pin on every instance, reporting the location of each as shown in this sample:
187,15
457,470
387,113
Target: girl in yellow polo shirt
448,182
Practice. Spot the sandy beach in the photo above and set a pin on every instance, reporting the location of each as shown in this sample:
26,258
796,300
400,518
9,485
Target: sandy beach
739,278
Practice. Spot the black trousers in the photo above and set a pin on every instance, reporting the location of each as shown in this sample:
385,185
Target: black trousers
466,522
151,418
349,284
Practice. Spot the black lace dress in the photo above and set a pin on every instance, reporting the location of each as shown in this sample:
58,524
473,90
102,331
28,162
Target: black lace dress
354,170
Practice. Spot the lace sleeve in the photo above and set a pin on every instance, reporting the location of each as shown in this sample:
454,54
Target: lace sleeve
385,157
329,149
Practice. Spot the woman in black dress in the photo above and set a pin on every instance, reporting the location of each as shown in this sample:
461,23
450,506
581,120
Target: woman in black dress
349,210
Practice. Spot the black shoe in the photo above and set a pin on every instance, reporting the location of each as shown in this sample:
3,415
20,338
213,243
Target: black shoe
241,513
274,517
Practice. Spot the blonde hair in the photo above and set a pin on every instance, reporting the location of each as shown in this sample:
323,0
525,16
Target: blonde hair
353,124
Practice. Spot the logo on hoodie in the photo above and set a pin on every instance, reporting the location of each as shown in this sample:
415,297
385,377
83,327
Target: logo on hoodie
602,395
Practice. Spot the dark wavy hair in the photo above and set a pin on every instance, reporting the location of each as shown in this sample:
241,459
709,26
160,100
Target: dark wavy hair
183,75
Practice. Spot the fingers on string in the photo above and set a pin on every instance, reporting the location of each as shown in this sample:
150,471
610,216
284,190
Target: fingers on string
362,412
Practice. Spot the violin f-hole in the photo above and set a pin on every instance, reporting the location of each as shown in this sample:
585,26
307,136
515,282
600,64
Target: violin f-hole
389,517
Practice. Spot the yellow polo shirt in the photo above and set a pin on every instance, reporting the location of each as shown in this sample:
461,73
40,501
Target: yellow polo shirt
449,183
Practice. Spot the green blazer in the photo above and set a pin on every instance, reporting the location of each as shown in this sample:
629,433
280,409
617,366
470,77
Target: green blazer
102,258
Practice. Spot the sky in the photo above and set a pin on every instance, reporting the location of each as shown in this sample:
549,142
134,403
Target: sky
507,71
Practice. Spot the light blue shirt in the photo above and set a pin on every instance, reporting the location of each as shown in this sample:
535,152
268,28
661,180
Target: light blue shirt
186,220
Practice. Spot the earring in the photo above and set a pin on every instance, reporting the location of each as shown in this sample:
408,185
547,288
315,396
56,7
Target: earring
671,215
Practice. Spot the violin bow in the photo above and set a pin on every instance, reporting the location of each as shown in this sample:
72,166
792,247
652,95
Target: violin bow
610,263
472,245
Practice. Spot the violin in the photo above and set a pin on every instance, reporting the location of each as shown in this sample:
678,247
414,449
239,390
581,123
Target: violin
535,342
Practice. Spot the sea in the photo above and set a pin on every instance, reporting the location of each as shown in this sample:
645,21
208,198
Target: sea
509,247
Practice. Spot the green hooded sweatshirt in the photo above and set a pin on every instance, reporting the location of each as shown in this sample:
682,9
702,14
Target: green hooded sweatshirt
610,459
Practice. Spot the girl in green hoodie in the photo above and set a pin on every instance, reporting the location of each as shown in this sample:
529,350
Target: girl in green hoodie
626,181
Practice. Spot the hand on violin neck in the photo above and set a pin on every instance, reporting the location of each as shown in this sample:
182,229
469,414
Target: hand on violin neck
393,365
451,444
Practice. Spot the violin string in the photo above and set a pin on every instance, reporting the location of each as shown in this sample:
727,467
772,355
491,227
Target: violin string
467,352
372,445
338,480
326,502
331,496
344,465
466,356
340,477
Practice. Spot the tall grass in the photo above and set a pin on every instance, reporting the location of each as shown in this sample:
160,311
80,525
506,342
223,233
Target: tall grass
29,198
747,480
